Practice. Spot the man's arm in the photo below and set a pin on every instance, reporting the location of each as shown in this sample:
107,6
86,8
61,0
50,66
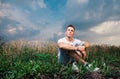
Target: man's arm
70,47
66,46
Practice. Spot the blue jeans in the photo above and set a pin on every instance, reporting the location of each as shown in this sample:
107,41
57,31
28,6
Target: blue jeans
64,57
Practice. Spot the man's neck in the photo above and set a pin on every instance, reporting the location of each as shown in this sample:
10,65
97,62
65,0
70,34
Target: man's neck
69,39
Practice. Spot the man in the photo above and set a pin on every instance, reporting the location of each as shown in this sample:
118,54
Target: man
72,50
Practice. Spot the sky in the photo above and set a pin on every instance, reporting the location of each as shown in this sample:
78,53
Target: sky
96,21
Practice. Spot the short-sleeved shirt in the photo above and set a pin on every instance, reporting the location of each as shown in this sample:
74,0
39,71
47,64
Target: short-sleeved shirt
63,56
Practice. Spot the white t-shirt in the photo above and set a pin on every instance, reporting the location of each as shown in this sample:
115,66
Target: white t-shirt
75,42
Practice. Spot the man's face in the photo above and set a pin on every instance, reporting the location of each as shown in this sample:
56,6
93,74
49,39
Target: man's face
70,32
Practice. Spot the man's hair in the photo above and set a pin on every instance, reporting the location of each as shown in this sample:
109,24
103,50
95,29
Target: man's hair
70,26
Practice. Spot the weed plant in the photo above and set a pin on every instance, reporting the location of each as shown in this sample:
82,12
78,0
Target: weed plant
28,62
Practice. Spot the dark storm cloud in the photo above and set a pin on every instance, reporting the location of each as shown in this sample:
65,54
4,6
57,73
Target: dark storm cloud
81,25
92,13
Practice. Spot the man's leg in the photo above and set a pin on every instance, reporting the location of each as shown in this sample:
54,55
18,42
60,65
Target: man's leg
77,57
80,59
84,54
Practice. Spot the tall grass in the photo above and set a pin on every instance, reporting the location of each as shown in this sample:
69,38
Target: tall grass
24,60
107,58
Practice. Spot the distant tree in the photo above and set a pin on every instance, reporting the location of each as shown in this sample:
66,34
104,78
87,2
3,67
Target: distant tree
2,42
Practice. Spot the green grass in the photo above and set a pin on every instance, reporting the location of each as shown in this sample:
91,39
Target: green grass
29,63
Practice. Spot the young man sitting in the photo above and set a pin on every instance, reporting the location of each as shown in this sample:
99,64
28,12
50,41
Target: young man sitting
72,50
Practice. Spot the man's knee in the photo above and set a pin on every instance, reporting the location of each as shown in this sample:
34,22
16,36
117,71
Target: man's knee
75,56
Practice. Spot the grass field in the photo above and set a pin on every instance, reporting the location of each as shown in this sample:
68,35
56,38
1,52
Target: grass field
25,61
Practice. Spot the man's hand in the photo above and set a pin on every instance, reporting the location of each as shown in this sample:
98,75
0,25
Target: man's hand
82,54
81,48
81,51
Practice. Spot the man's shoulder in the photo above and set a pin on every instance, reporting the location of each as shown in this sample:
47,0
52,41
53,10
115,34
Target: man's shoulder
77,40
62,39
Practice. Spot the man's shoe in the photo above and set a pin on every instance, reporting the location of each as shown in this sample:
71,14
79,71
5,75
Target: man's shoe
96,69
74,67
91,68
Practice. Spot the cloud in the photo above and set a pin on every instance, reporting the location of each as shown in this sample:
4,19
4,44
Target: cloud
104,33
15,23
91,13
38,3
11,30
24,23
109,27
82,1
50,32
1,14
71,3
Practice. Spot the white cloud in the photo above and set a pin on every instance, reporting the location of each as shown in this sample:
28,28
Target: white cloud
17,15
48,32
116,7
77,2
4,5
81,1
38,3
11,30
1,14
109,27
87,16
73,3
41,3
106,33
20,28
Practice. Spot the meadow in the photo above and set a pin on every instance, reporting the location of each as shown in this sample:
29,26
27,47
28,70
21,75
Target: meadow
24,60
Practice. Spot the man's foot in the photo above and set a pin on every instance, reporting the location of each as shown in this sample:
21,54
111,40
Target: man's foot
74,67
91,68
